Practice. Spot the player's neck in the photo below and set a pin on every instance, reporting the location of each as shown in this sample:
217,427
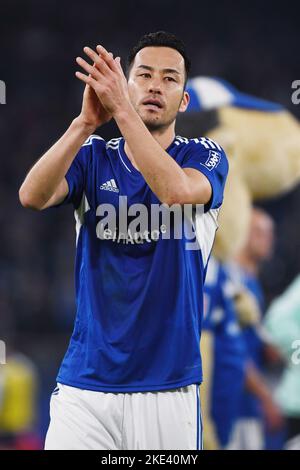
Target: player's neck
164,138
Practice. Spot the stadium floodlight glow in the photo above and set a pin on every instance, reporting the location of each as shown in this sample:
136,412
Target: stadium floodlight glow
2,353
2,92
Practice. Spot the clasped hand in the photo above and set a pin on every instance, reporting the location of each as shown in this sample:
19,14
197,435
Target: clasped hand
106,78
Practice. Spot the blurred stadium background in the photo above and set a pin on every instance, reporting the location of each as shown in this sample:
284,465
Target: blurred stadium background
255,46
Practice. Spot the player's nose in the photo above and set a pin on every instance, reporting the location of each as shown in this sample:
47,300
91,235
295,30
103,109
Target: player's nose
154,86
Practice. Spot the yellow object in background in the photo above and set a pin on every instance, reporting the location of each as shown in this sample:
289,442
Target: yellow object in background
18,386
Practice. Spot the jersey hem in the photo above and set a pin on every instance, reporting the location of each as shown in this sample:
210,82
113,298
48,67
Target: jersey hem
131,388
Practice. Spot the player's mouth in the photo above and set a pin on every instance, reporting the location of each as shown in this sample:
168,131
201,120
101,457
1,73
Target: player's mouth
153,104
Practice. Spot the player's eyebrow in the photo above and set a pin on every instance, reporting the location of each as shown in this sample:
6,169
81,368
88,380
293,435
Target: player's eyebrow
168,70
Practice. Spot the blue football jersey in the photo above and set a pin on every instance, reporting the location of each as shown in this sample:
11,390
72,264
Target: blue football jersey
229,350
250,406
139,295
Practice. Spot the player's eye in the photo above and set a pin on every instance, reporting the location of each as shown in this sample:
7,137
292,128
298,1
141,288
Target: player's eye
146,75
170,79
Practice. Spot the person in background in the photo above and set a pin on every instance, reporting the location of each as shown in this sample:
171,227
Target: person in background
282,322
224,358
256,403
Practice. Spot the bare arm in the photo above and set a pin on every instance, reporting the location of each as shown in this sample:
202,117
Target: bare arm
45,184
255,384
171,183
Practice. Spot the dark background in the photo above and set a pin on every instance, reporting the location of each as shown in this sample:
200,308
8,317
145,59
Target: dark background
254,45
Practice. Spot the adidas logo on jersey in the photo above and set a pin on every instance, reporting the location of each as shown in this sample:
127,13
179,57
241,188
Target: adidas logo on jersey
110,186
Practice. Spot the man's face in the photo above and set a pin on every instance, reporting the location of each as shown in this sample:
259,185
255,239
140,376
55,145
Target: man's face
261,237
156,86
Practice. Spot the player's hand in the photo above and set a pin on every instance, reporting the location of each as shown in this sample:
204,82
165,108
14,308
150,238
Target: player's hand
247,308
93,114
106,78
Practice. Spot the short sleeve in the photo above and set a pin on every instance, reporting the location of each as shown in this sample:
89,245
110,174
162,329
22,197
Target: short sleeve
208,157
76,176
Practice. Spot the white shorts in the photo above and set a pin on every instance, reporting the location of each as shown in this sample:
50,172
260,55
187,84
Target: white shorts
248,434
160,420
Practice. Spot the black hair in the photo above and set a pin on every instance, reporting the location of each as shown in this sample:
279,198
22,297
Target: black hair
160,39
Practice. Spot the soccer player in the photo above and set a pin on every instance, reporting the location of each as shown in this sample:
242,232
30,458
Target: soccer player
130,378
256,401
222,345
282,321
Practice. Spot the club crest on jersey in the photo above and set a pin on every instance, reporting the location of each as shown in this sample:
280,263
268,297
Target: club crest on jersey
213,160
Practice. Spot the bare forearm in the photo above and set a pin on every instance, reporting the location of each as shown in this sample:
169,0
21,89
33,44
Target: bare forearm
255,383
44,177
164,176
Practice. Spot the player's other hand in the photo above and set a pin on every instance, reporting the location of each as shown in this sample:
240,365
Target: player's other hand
93,114
106,78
